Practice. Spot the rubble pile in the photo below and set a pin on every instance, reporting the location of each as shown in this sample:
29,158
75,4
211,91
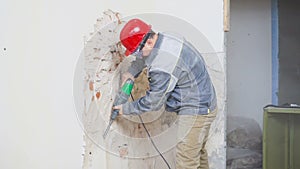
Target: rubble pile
244,143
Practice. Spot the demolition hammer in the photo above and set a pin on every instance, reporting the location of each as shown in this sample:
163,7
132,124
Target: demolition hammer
121,98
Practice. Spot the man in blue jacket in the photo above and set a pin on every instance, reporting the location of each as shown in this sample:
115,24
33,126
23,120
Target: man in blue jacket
178,80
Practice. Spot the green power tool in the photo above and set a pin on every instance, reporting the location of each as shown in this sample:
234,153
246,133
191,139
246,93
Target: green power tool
121,98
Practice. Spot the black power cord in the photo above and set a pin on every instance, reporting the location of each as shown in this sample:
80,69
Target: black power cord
149,136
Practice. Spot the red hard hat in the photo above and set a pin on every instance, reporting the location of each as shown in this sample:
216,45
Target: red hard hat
132,34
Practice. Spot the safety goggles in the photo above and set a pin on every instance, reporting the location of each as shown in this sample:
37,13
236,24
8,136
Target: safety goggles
138,52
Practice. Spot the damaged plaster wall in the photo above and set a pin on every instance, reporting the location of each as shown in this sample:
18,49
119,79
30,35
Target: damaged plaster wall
127,145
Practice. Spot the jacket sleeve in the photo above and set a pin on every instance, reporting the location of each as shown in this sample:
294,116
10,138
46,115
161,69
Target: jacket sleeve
156,96
136,67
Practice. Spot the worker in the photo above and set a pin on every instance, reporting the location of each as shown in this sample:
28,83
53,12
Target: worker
179,80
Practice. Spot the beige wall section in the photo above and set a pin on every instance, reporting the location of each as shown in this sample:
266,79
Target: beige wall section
127,145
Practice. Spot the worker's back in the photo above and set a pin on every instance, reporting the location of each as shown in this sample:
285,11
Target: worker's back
192,91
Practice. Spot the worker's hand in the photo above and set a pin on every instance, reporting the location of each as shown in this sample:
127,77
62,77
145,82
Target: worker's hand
126,76
119,107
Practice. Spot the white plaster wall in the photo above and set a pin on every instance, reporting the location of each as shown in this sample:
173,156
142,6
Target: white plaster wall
43,39
249,60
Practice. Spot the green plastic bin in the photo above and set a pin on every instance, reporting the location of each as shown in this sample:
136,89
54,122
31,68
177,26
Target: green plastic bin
281,138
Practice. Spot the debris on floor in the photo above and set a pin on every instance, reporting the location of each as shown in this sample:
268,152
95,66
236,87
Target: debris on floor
244,143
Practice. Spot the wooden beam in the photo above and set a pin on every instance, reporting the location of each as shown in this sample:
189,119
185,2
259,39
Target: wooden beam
226,15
